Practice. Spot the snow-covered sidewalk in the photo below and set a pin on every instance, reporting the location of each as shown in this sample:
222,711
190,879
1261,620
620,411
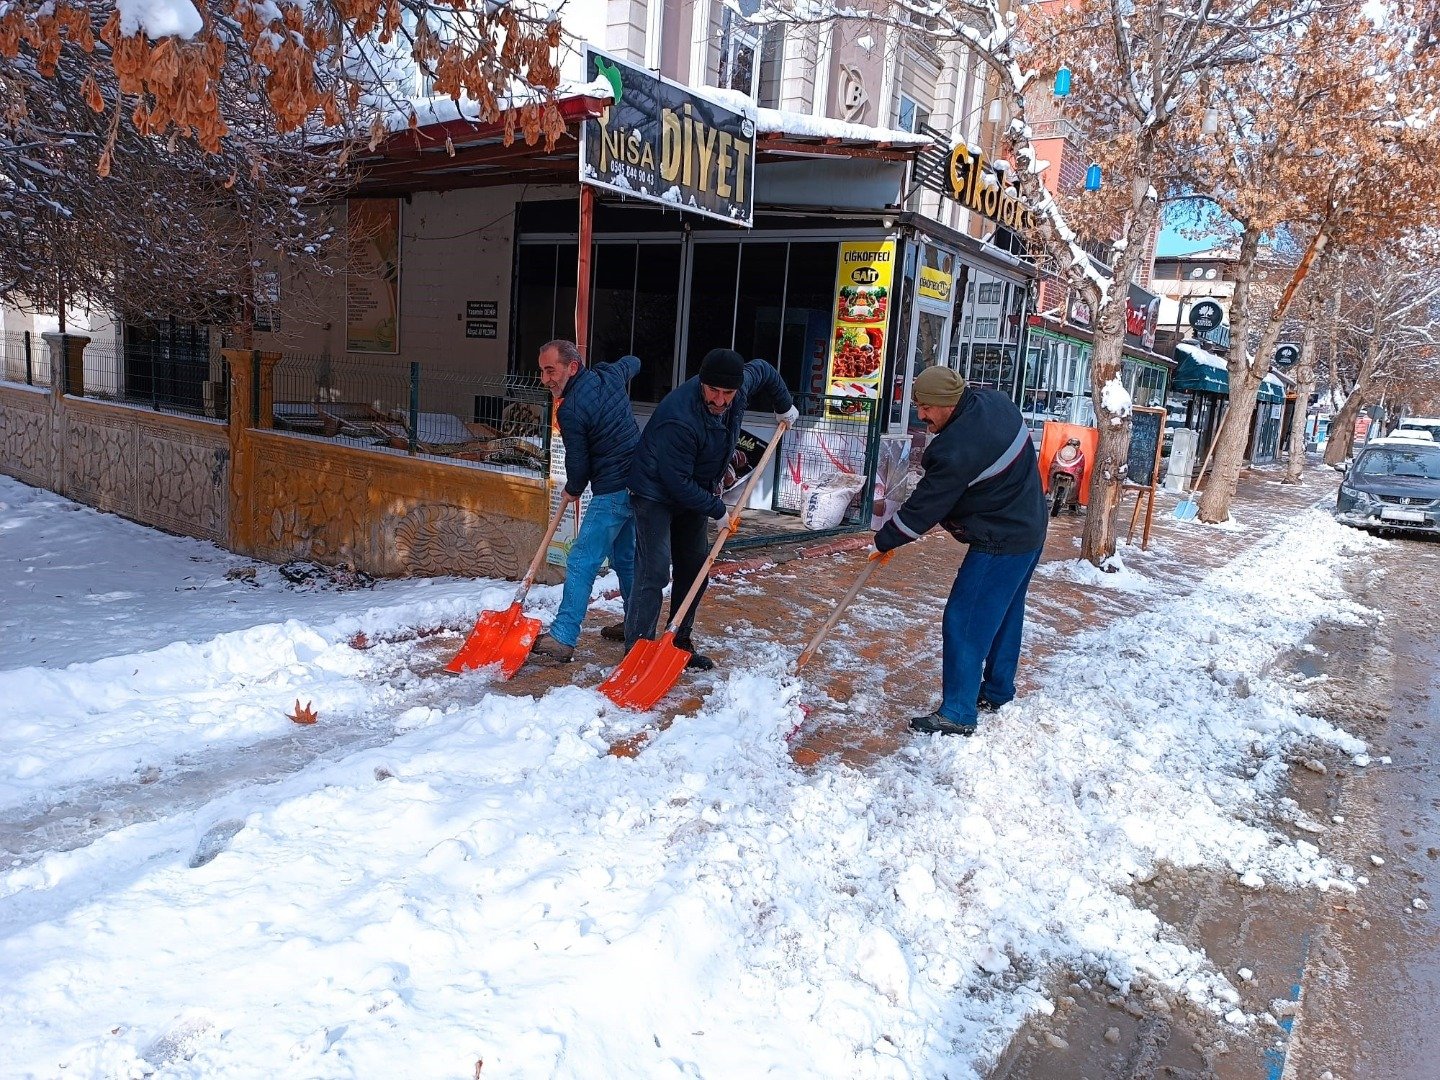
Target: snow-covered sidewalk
464,875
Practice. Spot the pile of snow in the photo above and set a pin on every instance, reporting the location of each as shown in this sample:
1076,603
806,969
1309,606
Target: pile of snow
484,883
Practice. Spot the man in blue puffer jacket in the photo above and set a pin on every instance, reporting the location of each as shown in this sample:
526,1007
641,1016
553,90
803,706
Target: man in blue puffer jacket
599,431
675,484
982,485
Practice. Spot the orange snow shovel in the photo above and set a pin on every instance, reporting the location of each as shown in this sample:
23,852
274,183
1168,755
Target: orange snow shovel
506,637
650,669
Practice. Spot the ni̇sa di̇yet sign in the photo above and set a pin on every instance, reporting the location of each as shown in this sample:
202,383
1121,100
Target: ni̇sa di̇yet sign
659,142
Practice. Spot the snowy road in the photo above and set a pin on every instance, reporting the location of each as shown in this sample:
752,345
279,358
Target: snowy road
442,873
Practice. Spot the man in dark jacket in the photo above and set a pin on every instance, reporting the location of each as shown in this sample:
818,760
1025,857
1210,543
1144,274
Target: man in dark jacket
599,431
982,484
675,483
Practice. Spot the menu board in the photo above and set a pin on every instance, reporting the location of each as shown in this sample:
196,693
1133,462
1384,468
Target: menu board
1146,426
862,310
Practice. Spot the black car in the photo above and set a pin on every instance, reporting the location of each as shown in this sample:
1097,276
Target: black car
1393,484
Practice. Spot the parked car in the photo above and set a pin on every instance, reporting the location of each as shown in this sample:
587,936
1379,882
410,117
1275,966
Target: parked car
1392,484
1416,424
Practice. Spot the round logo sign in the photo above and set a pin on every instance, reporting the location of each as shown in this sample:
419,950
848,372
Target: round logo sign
1286,355
1206,315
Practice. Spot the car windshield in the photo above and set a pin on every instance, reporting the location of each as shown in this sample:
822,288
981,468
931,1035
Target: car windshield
1420,462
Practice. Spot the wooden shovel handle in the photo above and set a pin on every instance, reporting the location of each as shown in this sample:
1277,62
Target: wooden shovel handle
876,559
729,527
529,578
1210,453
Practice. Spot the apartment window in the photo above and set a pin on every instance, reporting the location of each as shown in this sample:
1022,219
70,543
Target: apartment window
910,116
739,53
990,292
772,66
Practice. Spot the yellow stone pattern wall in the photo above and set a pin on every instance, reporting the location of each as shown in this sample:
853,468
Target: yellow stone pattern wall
168,471
386,515
25,424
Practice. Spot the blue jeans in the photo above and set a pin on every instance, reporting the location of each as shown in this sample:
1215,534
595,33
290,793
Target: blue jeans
981,631
608,529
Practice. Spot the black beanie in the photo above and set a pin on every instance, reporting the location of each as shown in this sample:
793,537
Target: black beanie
724,369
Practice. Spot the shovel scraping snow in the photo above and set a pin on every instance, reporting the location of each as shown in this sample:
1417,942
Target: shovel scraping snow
506,637
650,669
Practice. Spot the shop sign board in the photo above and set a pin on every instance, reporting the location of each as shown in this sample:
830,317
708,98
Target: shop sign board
863,278
1142,313
1285,355
973,182
1077,312
660,142
372,283
1206,316
936,284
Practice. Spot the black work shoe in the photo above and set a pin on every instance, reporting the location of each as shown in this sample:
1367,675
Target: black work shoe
698,661
935,724
613,632
982,705
547,648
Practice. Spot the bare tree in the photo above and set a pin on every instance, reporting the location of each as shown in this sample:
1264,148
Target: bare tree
1321,315
151,157
1327,138
1133,70
1389,329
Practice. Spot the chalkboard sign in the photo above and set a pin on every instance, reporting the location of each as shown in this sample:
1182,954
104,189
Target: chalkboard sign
1146,428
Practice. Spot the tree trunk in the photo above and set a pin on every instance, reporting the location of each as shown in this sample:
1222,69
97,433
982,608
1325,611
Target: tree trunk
1112,453
1304,383
1233,438
1342,429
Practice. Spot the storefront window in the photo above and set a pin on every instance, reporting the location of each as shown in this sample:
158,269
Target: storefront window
759,300
985,349
657,310
546,310
769,300
808,318
1057,381
1146,382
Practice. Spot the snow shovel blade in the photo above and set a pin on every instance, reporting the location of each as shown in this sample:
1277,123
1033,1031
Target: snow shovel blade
646,674
500,637
1186,511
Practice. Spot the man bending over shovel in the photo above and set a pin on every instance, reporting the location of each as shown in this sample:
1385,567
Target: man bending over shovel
675,483
599,431
982,484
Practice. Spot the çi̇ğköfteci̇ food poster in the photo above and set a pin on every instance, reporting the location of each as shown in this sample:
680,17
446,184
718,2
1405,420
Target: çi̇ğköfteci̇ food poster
862,308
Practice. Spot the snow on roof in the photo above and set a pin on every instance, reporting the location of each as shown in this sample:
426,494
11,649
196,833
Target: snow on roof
444,110
779,121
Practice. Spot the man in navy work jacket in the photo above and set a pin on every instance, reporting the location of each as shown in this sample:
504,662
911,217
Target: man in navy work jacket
982,484
599,431
675,483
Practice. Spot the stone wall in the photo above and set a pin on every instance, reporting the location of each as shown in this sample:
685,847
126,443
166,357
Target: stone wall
272,495
171,472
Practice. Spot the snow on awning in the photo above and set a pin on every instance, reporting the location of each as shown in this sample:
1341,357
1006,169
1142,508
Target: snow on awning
1204,372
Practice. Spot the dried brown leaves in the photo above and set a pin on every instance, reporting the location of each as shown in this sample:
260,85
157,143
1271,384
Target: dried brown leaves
294,59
